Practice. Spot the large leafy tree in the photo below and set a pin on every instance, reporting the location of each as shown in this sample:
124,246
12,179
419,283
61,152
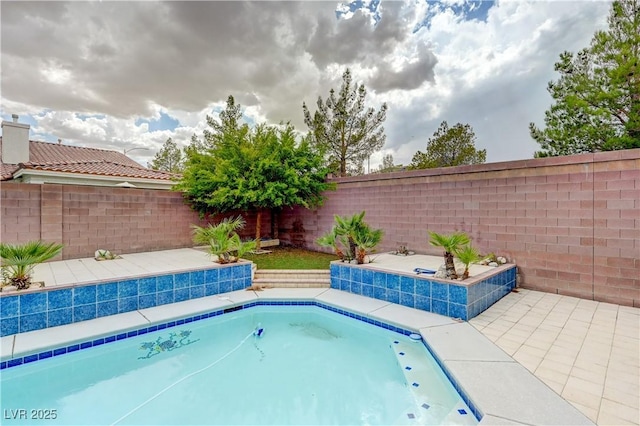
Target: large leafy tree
199,177
168,159
597,97
344,130
239,168
448,147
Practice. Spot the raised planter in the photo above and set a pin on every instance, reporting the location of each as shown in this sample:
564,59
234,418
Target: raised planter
457,299
52,306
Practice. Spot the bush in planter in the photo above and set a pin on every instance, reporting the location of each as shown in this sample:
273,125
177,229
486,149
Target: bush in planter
366,240
451,245
223,240
355,235
18,261
467,255
331,239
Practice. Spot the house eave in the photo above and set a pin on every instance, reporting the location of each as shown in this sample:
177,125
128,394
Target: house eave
46,176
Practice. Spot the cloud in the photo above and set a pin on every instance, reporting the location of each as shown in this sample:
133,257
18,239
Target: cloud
492,75
358,38
411,76
88,71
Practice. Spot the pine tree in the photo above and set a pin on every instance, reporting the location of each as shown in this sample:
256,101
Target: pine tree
387,165
168,159
597,97
449,147
344,130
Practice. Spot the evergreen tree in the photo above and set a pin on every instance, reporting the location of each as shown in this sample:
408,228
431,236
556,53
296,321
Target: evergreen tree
344,130
449,147
168,159
387,165
597,97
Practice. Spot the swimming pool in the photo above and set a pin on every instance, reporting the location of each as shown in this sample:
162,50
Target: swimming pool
310,366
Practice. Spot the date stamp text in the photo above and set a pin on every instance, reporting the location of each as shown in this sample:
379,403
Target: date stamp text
29,414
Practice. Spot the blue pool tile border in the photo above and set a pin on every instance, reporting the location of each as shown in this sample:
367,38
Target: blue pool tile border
51,307
456,299
49,353
174,323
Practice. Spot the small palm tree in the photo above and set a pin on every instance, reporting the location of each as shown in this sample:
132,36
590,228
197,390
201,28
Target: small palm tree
451,245
239,248
354,234
366,239
223,240
467,255
19,260
348,227
330,239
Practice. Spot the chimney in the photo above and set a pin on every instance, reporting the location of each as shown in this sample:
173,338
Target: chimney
15,141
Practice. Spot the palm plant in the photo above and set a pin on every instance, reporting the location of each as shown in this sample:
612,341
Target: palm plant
366,239
331,239
467,255
347,227
354,234
19,260
223,240
239,248
451,245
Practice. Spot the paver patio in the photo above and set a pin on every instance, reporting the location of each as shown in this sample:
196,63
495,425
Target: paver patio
586,351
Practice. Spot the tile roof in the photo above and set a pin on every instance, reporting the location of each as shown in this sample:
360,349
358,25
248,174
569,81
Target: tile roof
74,159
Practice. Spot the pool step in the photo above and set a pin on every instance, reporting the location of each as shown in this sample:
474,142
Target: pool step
421,374
292,278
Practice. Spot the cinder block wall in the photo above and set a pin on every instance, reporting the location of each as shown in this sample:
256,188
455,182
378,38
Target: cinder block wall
87,218
20,212
572,224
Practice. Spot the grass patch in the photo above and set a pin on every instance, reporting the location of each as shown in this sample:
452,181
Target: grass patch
291,258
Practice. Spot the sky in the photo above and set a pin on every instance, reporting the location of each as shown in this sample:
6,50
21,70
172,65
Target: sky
129,75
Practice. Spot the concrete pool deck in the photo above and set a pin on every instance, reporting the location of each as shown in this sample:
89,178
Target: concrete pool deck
543,344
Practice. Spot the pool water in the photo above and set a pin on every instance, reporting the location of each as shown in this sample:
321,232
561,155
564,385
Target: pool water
309,366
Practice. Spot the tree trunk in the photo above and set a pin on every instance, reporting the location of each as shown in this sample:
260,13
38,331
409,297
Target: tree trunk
274,224
258,226
450,267
21,283
352,248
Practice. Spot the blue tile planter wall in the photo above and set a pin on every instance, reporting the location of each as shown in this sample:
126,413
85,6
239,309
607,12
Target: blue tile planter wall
50,307
463,300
